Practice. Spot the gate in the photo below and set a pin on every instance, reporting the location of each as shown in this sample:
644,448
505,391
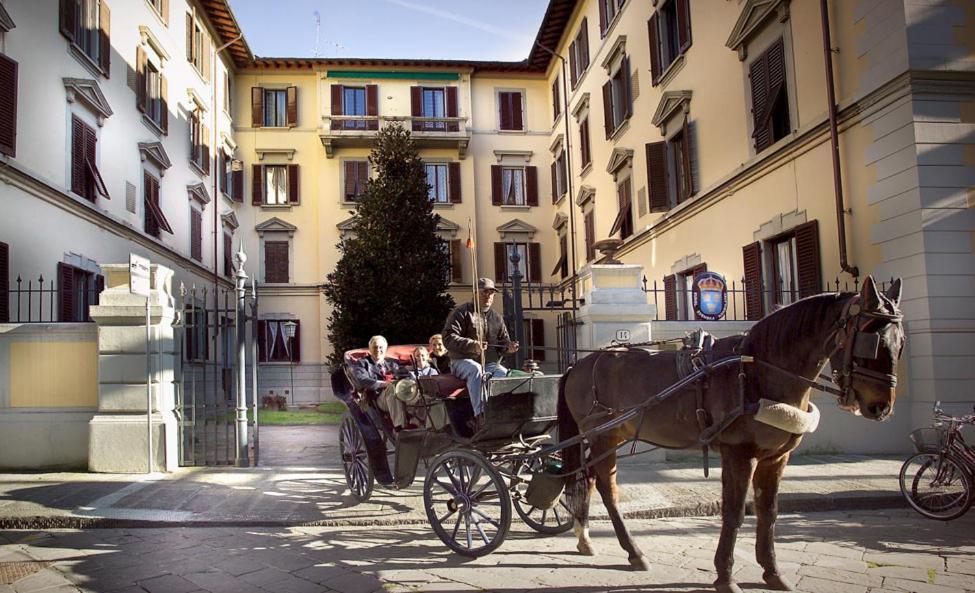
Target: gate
210,376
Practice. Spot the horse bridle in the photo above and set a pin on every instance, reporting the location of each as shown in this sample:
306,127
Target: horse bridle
855,343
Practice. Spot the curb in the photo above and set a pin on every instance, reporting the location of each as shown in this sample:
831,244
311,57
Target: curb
794,504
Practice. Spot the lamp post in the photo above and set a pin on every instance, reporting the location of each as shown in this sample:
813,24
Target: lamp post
241,432
289,332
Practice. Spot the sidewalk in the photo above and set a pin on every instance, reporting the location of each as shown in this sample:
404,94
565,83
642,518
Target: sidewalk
301,483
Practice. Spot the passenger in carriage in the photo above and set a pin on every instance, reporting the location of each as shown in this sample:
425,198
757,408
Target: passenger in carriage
395,397
438,354
375,372
465,343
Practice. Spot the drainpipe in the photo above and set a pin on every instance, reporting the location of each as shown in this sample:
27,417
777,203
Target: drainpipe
845,265
215,174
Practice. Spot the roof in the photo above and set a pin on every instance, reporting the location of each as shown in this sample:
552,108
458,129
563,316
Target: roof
223,21
549,34
473,65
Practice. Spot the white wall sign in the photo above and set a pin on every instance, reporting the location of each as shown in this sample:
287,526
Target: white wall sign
622,335
138,275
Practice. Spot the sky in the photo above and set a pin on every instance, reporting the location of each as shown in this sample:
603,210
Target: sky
445,29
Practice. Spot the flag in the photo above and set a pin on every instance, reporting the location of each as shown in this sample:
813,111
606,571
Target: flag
470,239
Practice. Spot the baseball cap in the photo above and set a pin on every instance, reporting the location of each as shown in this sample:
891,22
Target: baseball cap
486,284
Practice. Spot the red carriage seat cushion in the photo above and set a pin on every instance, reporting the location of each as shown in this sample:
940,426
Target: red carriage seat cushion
402,354
445,386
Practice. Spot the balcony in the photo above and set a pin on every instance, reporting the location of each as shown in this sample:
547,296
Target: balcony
359,131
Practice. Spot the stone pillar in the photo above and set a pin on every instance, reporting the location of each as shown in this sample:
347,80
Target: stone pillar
117,433
614,301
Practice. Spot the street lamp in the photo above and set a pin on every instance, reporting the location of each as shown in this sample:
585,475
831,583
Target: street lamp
290,328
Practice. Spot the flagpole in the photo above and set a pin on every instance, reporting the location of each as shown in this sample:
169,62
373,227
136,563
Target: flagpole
472,246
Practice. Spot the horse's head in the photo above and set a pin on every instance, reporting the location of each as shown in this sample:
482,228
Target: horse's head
869,342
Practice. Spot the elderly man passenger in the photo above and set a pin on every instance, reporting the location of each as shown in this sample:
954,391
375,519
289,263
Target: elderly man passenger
375,372
468,333
393,400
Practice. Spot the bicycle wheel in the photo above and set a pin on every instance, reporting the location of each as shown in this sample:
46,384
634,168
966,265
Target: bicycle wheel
936,486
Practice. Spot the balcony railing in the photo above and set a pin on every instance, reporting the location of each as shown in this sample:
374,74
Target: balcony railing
359,131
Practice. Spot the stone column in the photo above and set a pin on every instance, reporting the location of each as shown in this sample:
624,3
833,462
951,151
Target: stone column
117,433
614,301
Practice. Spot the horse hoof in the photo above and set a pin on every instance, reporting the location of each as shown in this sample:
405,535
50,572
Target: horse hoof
777,582
585,548
639,563
727,588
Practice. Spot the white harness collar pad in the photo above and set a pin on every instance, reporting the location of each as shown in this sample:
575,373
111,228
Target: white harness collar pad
788,418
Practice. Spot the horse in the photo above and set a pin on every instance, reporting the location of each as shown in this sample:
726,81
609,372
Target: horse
785,352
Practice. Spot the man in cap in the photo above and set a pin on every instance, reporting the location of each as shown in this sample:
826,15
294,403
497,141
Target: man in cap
472,330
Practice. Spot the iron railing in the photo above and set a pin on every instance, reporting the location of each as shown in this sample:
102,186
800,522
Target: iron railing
44,301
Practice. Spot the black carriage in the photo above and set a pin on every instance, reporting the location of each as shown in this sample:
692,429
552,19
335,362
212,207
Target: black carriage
474,473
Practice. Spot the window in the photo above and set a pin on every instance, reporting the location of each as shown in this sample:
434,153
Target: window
78,289
453,249
276,262
679,294
197,46
196,334
275,108
358,106
793,262
161,8
770,97
559,181
273,344
356,176
556,99
513,186
155,220
562,266
670,35
608,9
275,185
438,102
624,218
231,177
535,338
86,181
196,234
228,255
199,143
8,106
677,149
433,106
86,24
511,115
584,146
529,261
437,180
590,226
617,98
151,91
783,259
579,54
670,169
354,103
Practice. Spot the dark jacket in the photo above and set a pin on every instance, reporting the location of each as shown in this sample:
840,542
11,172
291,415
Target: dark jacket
367,374
442,362
460,334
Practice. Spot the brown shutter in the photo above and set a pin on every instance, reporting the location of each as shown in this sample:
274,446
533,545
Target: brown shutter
292,106
657,176
363,176
517,111
504,109
351,179
8,106
627,86
164,11
337,108
262,341
257,106
496,198
602,17
534,262
654,49
584,141
555,182
670,297
698,269
684,24
687,153
583,42
590,222
500,262
416,105
68,17
257,185
456,261
296,343
531,185
78,157
808,260
66,293
276,261
189,37
372,105
228,255
104,38
758,80
453,183
556,101
754,297
451,108
294,185
141,97
205,156
151,227
608,108
196,234
776,64
4,283
237,183
164,103
573,64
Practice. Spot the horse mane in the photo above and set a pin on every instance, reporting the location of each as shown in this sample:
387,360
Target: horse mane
771,334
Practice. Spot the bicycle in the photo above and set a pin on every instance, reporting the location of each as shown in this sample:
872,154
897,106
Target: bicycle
939,480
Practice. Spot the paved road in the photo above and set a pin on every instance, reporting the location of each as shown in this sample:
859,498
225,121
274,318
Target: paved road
851,552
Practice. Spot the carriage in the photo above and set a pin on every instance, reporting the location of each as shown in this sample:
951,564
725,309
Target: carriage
474,475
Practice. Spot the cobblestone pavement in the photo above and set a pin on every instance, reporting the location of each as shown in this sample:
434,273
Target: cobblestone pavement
847,552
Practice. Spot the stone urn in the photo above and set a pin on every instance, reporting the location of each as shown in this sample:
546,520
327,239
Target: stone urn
608,249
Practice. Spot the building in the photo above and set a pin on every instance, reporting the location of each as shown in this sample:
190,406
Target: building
698,133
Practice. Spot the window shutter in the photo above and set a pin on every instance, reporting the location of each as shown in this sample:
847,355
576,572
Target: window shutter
534,262
66,290
152,228
657,176
590,236
453,183
104,38
690,162
205,156
504,111
555,182
257,187
531,185
88,161
758,79
496,190
292,106
363,175
8,106
627,86
573,64
670,297
164,100
584,141
276,261
754,297
416,106
99,288
583,44
4,283
517,111
262,341
372,105
189,37
337,108
141,98
257,106
205,54
500,262
164,11
237,183
776,65
294,185
228,255
452,108
808,269
602,17
654,49
68,17
684,24
608,108
296,343
78,156
351,179
556,99
456,261
196,234
538,339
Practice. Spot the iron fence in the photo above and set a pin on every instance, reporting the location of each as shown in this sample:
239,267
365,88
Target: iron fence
45,301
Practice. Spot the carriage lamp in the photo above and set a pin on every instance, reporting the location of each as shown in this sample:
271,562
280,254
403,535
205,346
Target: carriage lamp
290,328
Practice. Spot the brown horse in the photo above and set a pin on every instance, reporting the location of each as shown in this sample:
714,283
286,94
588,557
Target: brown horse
860,334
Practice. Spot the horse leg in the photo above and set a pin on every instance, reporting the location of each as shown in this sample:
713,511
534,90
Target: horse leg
578,492
736,471
609,492
765,483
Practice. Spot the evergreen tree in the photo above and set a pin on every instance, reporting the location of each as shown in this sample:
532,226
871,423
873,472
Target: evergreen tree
393,272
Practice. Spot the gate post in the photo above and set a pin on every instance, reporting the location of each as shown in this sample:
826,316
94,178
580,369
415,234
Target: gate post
240,317
517,312
117,439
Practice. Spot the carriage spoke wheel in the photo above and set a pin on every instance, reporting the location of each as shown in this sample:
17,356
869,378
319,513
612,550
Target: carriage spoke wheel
467,503
555,520
936,486
355,459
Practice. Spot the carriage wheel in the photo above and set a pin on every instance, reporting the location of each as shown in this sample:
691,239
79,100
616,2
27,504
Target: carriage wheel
555,520
467,503
355,459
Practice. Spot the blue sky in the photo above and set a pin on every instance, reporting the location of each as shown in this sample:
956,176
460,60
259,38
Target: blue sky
447,29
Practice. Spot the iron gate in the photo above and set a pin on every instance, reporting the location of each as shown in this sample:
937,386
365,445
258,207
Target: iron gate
209,375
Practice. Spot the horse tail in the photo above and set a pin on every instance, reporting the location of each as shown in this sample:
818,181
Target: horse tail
568,428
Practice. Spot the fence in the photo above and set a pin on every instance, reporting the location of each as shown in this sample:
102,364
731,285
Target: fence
46,301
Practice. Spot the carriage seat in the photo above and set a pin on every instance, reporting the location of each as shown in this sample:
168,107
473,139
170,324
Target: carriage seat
443,386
